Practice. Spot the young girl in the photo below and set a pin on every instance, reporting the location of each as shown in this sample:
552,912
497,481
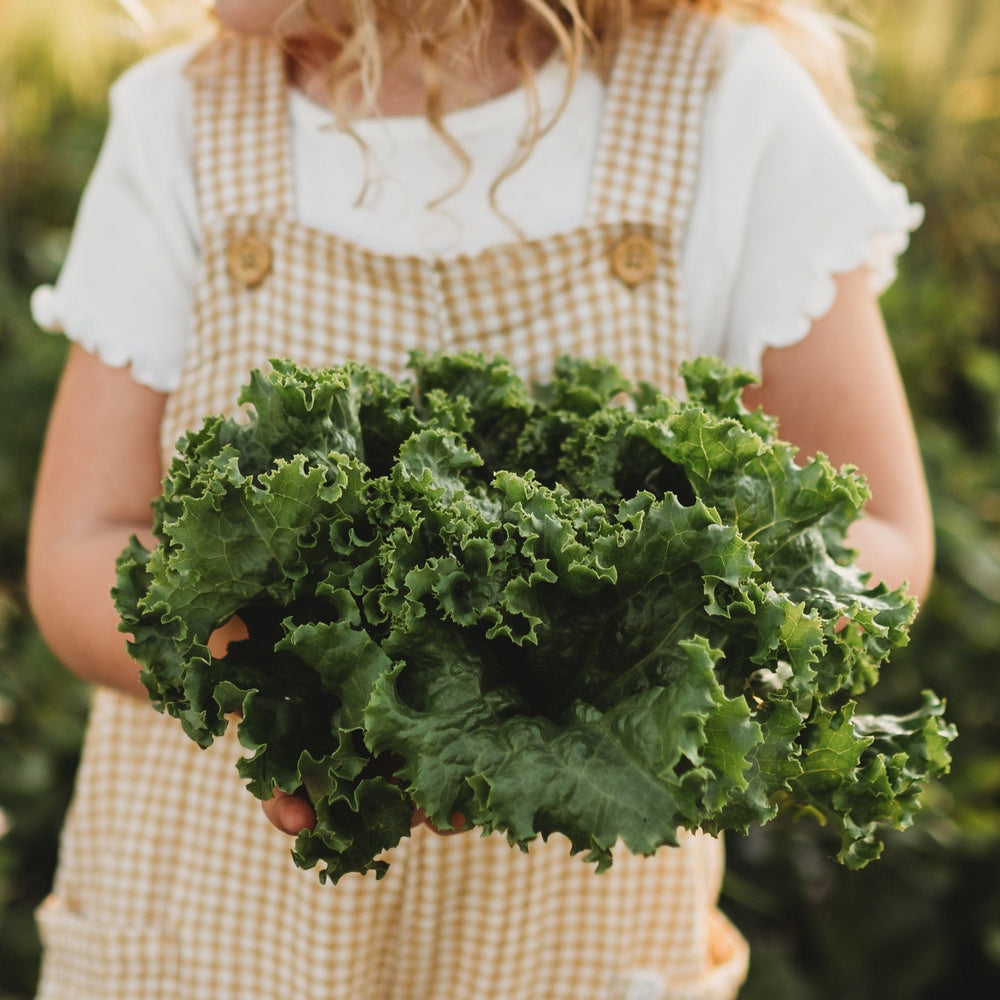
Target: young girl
641,181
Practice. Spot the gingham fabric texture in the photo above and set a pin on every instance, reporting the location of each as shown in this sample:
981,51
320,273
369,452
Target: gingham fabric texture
172,885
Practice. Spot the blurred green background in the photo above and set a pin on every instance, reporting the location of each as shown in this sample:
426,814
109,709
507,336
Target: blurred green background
921,923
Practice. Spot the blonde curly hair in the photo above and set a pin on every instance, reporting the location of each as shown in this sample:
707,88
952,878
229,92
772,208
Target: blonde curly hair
367,32
365,35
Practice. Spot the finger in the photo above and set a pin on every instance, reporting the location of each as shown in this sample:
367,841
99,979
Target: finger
233,631
289,813
456,822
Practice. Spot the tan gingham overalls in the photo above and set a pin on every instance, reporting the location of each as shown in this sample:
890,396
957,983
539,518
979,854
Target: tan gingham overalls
172,884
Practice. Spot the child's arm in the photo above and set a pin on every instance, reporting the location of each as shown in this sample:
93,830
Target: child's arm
100,469
838,391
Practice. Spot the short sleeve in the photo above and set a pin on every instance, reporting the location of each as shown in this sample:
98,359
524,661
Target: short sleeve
125,288
786,202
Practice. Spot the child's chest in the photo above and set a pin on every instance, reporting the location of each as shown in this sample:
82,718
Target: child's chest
272,285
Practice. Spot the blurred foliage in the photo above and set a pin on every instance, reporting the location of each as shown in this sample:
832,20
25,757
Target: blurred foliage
56,61
921,923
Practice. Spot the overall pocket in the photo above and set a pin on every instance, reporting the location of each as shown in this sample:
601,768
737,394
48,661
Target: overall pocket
84,959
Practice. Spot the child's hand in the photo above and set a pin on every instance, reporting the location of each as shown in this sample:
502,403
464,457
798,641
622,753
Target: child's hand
289,813
457,821
233,631
292,814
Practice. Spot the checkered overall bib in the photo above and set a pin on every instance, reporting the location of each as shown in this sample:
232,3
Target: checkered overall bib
172,884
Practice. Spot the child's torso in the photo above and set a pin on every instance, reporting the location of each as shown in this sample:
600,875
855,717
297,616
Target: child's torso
166,857
609,288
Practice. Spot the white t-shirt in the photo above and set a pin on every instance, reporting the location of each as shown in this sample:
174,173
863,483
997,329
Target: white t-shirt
784,201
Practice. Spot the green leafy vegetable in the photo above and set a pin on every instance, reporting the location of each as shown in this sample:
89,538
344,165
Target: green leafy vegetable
585,609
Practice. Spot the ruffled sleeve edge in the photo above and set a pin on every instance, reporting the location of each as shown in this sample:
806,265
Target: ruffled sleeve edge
879,248
49,314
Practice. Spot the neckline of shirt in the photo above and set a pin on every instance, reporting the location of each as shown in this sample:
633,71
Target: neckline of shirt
487,116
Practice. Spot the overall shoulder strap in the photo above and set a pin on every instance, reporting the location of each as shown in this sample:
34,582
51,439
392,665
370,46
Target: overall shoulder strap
241,129
647,158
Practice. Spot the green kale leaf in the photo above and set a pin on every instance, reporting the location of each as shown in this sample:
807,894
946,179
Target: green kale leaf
581,608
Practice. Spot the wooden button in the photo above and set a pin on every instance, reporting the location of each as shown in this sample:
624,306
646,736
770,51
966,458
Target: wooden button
249,259
634,259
